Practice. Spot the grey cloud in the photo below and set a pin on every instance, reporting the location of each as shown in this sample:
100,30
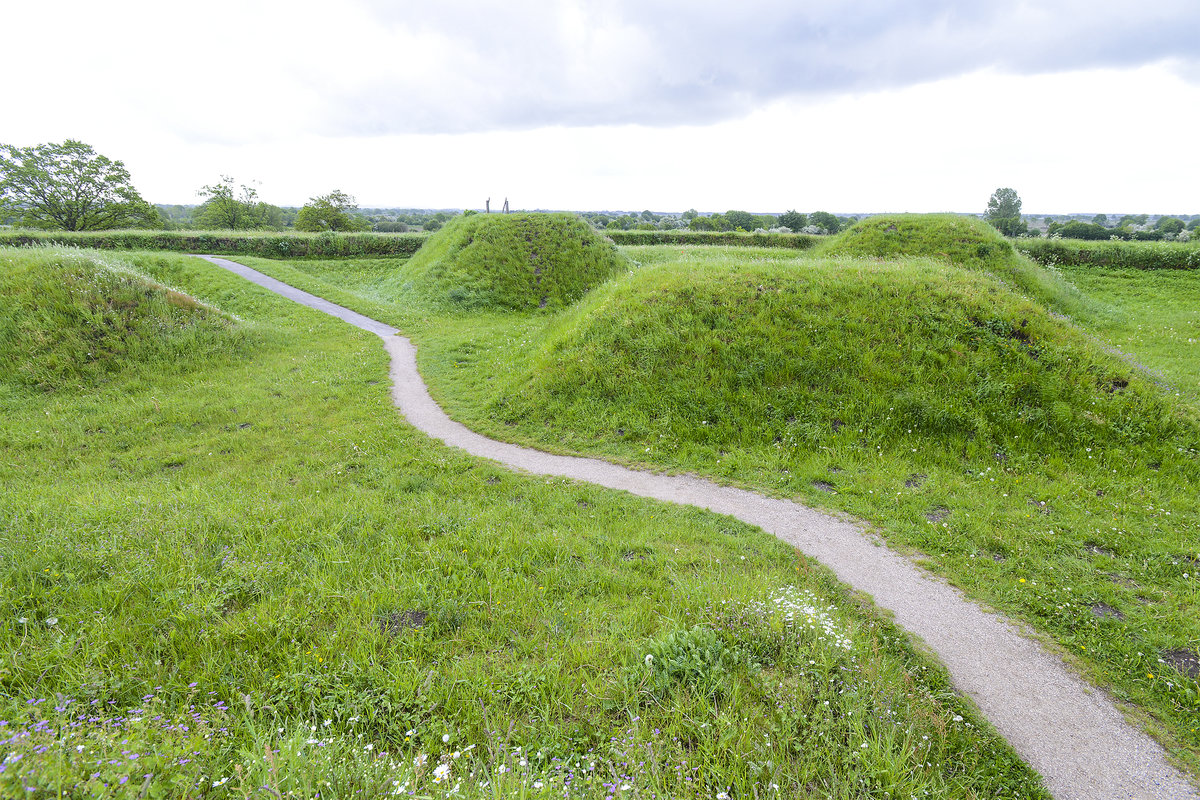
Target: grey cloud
605,62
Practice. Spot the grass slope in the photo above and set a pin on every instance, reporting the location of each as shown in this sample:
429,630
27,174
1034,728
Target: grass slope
966,242
255,579
1152,314
1044,475
70,320
510,261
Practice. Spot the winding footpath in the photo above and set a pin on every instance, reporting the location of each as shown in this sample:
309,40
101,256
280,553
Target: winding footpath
1069,731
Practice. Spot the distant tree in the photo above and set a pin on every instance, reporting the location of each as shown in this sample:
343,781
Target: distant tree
1004,212
699,223
1003,204
330,212
229,208
690,214
741,220
69,186
649,216
1194,224
1170,226
270,216
1077,229
825,221
1100,219
1133,220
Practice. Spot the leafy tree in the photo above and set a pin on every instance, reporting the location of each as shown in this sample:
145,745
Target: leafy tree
1169,225
1077,229
741,220
699,223
1004,212
330,212
1194,224
1100,219
227,208
70,186
690,214
825,221
793,220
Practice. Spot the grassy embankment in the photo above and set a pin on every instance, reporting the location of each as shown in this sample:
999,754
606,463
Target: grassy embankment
914,372
229,570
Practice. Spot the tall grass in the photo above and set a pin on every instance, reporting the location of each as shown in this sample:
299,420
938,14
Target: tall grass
245,575
949,406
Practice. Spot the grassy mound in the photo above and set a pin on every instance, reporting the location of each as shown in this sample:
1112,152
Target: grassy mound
865,354
960,240
966,241
510,261
72,318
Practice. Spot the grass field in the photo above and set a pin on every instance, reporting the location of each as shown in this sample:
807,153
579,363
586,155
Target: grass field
1152,315
948,404
230,570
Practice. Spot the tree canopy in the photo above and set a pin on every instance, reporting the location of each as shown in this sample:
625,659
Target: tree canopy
227,207
1004,212
793,220
70,186
825,221
330,212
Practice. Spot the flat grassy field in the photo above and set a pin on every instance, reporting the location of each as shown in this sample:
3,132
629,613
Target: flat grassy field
1152,315
971,410
229,569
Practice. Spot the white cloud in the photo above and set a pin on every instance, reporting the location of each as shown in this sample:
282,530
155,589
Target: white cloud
877,104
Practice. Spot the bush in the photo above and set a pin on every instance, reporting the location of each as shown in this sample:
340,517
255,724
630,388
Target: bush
1136,255
274,245
733,238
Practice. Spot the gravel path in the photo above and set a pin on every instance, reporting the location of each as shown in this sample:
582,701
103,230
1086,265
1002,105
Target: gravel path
1067,730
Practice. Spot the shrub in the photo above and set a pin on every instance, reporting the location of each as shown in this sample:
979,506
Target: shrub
273,245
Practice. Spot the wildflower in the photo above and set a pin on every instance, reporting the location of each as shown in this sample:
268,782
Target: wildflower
649,658
445,738
51,622
441,773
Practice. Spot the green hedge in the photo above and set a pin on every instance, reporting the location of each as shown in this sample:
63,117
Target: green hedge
269,245
798,241
1136,255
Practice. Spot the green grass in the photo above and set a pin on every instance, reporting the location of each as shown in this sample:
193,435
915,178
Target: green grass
509,262
952,408
1154,316
239,569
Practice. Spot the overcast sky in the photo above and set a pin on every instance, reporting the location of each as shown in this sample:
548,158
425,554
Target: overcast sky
763,105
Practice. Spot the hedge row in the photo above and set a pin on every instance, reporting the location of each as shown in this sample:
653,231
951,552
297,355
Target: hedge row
1137,255
798,241
290,245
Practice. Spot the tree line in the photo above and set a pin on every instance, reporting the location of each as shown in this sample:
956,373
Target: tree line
69,186
1004,213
